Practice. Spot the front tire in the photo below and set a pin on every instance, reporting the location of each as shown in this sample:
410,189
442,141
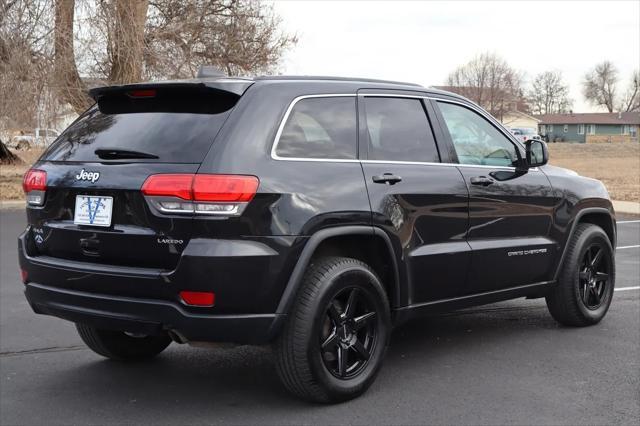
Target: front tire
584,290
119,346
336,335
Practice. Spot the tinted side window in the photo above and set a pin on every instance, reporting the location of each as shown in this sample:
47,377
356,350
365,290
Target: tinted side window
320,128
475,139
399,130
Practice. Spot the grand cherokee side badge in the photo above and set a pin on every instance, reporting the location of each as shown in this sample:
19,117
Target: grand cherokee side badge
90,176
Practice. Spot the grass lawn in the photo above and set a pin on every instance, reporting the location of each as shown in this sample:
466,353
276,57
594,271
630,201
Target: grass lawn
617,165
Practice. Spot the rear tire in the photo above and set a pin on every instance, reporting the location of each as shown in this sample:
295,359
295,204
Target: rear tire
336,334
119,346
584,290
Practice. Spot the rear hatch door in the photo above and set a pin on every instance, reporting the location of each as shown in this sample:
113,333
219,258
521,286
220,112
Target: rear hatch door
94,210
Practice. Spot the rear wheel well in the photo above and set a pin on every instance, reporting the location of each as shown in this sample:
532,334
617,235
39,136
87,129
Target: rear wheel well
369,249
602,220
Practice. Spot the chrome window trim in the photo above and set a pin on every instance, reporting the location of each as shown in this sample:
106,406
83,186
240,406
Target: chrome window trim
293,103
418,163
478,110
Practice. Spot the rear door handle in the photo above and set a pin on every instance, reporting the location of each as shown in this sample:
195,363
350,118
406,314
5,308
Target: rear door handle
387,178
481,180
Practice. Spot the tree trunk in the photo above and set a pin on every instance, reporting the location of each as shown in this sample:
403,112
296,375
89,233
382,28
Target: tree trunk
128,41
72,89
6,156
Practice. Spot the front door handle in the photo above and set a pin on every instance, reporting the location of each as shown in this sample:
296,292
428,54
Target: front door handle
481,180
387,178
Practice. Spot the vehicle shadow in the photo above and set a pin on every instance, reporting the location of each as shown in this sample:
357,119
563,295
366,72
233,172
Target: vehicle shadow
225,383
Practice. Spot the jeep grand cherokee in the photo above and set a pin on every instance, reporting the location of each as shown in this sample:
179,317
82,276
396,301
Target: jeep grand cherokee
307,212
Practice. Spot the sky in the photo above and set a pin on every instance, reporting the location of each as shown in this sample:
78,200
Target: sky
421,42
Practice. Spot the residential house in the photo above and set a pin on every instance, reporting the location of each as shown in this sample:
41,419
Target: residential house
590,127
514,118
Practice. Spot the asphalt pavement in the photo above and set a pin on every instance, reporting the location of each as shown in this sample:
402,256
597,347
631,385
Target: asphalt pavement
506,363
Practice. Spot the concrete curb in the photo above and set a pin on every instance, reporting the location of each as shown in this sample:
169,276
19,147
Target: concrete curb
628,207
12,204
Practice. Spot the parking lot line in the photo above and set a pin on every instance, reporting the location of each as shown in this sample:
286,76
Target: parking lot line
627,288
620,222
627,247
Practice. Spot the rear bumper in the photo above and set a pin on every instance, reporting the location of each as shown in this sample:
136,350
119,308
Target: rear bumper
147,316
244,276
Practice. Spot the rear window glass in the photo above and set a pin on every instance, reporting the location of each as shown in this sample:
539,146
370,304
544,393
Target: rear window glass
320,128
174,127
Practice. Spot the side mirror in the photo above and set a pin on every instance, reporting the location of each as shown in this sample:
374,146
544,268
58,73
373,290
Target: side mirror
537,153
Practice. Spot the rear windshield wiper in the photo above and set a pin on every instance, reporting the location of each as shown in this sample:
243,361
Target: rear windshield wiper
117,153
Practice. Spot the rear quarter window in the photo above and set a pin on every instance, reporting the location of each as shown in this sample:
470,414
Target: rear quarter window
323,127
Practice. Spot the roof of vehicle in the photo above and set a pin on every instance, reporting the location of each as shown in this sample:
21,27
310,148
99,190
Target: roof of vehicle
331,78
238,85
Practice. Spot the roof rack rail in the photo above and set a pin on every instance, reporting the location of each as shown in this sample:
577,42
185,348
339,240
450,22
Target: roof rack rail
333,78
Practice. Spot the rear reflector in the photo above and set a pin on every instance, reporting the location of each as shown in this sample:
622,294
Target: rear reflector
25,275
198,298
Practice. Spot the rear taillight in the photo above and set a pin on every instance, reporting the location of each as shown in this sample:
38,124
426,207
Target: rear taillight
225,195
34,184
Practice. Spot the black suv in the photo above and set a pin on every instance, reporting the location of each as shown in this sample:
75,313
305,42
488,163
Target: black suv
312,213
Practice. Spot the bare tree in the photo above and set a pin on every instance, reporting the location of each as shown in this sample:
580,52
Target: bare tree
71,87
126,37
631,98
489,81
124,41
6,156
25,63
240,37
549,94
599,86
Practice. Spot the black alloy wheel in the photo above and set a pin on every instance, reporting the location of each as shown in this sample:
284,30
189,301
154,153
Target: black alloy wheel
349,333
332,346
594,277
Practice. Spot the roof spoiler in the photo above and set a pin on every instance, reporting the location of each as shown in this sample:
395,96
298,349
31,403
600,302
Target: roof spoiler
235,86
